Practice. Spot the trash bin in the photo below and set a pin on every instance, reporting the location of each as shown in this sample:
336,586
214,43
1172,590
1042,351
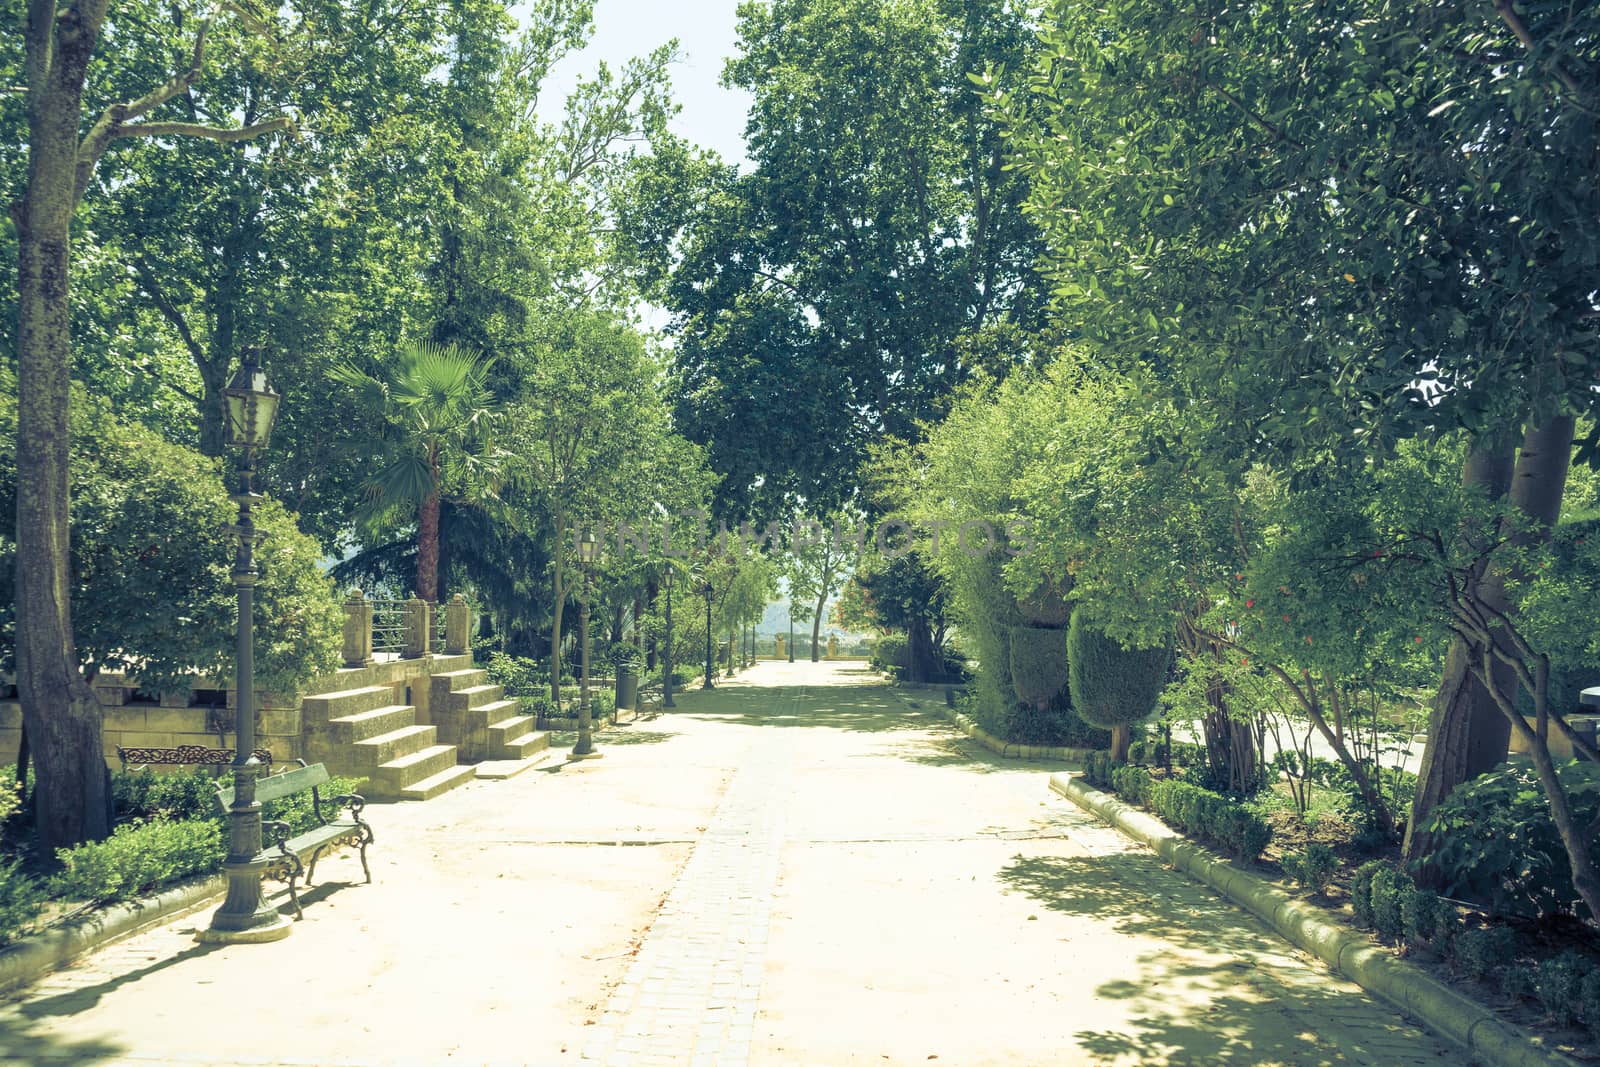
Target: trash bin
627,689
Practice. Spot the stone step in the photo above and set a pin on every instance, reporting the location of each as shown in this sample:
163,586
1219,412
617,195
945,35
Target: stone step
499,769
500,709
475,696
352,728
524,746
397,774
505,729
382,748
324,707
434,784
458,680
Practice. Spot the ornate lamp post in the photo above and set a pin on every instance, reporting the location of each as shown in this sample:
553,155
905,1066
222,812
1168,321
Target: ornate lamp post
666,658
791,630
588,554
245,914
706,590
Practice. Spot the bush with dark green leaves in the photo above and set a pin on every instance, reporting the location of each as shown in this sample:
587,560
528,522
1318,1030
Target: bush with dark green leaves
151,555
139,857
1112,687
1495,841
21,898
1422,916
1479,951
889,655
1211,817
1313,868
518,675
1389,887
1558,983
1361,891
1133,784
145,794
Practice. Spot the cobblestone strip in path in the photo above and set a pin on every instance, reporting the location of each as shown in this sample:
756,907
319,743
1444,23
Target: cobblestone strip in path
689,997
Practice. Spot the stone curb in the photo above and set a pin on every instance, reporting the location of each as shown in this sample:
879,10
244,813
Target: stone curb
32,957
1347,951
1011,751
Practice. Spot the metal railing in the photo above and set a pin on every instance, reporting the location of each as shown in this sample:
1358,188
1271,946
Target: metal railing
388,626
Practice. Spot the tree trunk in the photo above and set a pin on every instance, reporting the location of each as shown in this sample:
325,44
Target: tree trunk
816,621
559,592
428,549
1121,737
921,664
60,712
1467,734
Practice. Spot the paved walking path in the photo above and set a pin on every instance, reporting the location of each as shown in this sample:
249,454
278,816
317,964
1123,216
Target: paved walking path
800,868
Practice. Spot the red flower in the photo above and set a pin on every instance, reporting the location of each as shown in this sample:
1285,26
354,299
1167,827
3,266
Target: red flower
1249,603
1417,640
1286,618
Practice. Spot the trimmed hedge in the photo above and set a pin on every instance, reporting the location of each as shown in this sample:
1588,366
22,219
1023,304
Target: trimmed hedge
137,858
1386,900
1200,813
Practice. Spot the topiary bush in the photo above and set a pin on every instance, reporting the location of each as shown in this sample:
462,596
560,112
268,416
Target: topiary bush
1558,983
1111,686
889,655
1421,912
1038,665
1361,891
137,858
1133,784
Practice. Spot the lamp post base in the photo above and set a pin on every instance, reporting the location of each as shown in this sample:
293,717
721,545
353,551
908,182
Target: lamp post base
245,918
272,931
573,757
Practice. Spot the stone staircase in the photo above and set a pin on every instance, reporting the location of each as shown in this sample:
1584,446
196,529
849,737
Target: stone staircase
476,718
363,733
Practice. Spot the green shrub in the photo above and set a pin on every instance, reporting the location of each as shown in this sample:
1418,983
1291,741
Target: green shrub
1210,817
1361,891
1111,686
1589,1001
1519,980
1038,665
10,795
1389,886
1420,912
1477,952
137,858
520,676
1132,784
1495,841
889,655
145,794
20,900
1313,868
1558,983
298,810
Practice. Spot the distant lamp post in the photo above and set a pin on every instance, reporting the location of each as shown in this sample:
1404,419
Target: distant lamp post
706,590
666,658
588,555
245,916
791,631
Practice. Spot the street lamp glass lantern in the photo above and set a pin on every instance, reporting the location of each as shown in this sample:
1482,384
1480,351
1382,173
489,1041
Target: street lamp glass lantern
252,406
588,547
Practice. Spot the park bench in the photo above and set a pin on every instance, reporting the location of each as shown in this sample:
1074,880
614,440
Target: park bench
284,857
183,756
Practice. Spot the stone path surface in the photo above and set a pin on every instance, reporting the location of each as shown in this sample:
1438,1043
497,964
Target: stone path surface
802,867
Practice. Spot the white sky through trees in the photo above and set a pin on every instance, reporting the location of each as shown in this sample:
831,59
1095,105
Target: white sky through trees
712,116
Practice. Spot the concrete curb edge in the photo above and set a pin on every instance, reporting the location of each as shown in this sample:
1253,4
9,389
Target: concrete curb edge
1346,951
35,956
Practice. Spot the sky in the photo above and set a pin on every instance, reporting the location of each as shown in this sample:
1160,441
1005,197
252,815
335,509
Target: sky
712,116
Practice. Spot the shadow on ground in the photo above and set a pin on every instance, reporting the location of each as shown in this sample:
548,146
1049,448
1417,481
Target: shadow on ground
1190,1005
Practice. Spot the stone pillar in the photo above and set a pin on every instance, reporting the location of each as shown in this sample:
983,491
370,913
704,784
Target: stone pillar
833,646
417,619
457,626
357,630
782,652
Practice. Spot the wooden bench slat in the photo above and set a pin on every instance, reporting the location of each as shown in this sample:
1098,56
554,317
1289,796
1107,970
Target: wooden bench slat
282,785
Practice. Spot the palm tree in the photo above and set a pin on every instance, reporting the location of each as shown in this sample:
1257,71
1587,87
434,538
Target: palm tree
437,413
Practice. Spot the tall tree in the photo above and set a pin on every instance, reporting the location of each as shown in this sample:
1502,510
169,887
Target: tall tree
1356,222
821,299
438,416
60,712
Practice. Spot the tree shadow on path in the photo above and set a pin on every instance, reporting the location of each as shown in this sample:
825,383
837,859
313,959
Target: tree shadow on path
1220,989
